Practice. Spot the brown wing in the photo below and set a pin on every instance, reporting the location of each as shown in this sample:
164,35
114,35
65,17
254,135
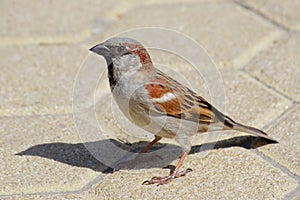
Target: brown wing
176,100
186,104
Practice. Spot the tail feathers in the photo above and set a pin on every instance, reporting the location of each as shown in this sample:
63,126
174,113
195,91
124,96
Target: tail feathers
230,124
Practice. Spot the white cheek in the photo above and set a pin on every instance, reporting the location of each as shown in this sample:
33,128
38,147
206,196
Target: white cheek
127,63
166,97
135,62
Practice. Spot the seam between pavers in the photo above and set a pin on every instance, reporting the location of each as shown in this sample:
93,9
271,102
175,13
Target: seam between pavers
34,115
268,86
244,5
276,164
283,169
296,191
46,39
125,9
40,111
280,116
265,42
273,90
270,160
83,189
293,194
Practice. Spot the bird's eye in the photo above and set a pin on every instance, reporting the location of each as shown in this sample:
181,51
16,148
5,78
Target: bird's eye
126,53
121,48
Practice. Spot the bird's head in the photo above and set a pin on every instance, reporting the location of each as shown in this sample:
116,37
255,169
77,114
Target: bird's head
124,56
118,50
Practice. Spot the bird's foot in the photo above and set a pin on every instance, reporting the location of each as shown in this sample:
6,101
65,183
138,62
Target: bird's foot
166,179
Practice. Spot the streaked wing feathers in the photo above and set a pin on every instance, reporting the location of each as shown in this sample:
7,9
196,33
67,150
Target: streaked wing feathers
173,99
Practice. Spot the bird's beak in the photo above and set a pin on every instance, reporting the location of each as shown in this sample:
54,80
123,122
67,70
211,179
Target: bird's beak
100,49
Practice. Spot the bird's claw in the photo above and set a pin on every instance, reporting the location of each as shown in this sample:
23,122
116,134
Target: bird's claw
167,179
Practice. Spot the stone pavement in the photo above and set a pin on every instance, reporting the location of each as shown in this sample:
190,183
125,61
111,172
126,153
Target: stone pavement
256,46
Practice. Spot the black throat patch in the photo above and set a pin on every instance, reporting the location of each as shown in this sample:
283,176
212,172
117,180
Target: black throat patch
111,78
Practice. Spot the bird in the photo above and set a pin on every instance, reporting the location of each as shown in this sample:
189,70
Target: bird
158,103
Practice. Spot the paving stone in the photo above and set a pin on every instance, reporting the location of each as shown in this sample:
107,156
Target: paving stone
43,196
230,33
257,106
84,195
38,78
43,154
286,152
48,21
63,22
124,6
283,12
224,173
278,66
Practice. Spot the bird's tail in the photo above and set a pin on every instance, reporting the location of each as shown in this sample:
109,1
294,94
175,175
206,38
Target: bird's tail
230,124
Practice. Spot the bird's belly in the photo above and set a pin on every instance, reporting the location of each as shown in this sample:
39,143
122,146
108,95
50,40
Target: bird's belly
161,125
170,127
141,117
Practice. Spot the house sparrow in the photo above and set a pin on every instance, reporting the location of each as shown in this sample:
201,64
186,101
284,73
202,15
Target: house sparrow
158,103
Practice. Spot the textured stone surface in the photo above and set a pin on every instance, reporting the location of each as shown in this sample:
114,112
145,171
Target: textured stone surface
286,131
49,21
63,22
279,67
283,12
225,30
38,79
51,161
44,43
224,173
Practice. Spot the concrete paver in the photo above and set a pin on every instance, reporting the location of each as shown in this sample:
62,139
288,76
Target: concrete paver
224,173
53,166
283,12
225,30
43,44
60,22
278,66
286,131
38,79
48,21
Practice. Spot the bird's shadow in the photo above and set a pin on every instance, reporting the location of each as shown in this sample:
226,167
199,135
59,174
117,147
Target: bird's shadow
162,154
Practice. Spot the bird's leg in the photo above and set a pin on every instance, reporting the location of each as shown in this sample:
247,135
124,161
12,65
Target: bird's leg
173,174
130,164
146,149
153,142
